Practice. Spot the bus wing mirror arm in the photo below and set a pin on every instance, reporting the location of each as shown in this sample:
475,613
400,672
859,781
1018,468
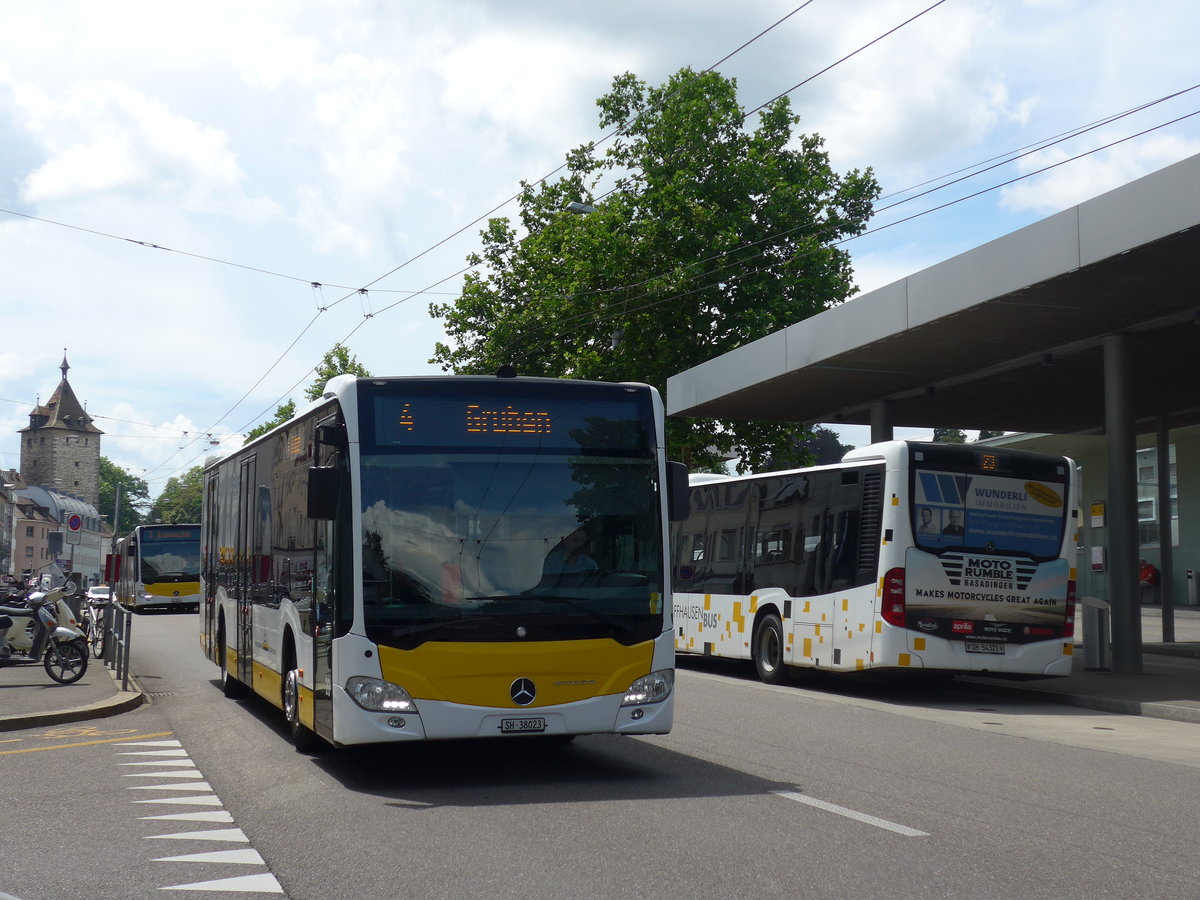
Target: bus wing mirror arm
678,498
322,492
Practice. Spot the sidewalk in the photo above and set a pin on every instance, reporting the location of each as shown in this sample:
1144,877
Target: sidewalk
1167,688
30,698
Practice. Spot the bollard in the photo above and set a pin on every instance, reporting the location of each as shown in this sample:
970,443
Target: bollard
1096,637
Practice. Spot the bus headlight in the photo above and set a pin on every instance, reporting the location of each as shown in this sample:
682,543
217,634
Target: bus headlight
379,696
651,688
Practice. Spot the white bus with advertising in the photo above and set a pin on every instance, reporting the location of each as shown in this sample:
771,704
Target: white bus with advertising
159,567
420,558
905,556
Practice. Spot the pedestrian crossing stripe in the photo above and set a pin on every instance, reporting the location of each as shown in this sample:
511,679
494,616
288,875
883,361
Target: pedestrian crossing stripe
172,773
179,752
148,744
185,763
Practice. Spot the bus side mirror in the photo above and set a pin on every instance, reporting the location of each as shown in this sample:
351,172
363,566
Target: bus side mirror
322,492
678,498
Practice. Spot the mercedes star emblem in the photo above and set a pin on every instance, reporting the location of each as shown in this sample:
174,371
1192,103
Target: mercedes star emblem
522,692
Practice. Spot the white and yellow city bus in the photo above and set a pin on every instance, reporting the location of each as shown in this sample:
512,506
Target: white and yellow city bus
448,557
159,567
905,556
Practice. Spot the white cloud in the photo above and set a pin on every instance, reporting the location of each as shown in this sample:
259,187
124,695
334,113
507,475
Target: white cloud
1082,179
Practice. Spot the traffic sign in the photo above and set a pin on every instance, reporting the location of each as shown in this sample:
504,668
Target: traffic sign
75,522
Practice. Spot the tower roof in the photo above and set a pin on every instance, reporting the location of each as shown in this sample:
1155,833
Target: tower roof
62,410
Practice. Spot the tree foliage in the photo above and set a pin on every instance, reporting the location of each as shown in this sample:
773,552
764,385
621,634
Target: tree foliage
181,499
336,361
984,434
821,447
135,495
714,234
949,436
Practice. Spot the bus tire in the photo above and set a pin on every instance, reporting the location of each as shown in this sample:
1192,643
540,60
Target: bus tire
768,649
230,686
304,739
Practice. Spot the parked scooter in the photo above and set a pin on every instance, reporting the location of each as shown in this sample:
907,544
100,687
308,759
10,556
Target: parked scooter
40,627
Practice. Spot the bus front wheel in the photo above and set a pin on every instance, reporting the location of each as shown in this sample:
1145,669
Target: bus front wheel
768,649
305,740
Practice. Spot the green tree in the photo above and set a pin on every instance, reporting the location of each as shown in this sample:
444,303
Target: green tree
714,234
821,448
181,499
135,495
337,361
949,436
984,434
283,412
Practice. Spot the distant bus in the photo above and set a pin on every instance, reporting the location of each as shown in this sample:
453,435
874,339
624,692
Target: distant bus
159,567
448,557
905,556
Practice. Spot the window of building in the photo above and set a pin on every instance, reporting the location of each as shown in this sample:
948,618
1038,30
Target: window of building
29,531
1147,497
29,552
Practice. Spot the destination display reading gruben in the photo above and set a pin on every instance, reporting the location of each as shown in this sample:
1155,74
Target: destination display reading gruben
609,421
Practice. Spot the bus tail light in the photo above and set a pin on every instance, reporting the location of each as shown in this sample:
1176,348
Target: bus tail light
1069,619
893,597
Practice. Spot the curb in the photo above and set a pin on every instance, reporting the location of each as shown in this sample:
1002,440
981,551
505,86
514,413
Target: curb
122,702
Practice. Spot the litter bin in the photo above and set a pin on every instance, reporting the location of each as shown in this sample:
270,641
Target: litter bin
1097,652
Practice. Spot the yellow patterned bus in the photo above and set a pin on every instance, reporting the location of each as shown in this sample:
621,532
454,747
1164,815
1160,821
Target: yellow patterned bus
420,558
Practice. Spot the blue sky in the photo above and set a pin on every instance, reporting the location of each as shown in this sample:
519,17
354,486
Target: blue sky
276,144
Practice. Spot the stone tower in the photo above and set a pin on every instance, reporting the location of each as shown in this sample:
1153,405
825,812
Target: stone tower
60,449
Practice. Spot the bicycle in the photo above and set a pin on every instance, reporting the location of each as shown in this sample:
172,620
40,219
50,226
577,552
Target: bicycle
93,626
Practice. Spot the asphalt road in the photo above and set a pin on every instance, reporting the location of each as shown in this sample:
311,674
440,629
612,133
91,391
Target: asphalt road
811,789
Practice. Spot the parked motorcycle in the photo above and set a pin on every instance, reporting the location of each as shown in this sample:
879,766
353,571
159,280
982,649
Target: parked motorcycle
41,628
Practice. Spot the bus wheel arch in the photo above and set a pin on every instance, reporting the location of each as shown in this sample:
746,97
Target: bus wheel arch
768,647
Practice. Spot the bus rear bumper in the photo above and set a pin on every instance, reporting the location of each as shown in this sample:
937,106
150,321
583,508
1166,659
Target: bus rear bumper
438,720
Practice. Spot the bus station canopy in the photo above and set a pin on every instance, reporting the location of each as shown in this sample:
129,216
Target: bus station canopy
1007,336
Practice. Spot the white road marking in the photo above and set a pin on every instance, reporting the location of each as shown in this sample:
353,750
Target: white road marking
256,884
169,760
200,800
214,815
235,857
233,835
852,814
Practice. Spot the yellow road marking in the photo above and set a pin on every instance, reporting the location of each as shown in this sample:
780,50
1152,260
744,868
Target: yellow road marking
117,740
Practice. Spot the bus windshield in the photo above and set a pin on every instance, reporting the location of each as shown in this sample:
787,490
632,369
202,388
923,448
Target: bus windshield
170,555
542,519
